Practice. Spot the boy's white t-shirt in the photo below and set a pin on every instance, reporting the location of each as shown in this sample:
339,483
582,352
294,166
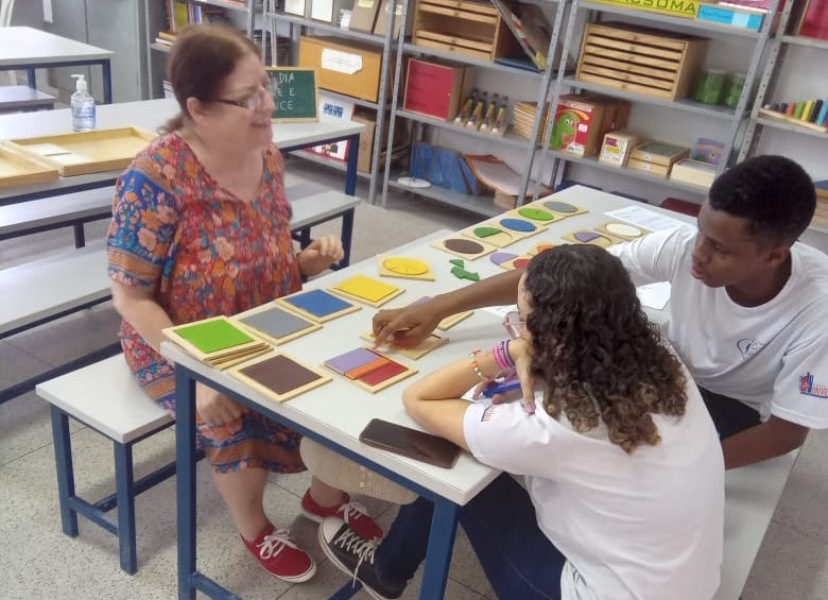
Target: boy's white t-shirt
772,357
641,526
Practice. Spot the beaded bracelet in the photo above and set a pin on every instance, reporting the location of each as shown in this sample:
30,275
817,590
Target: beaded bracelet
475,367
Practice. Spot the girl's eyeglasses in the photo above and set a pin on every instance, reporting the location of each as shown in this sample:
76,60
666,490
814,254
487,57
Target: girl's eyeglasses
513,324
253,101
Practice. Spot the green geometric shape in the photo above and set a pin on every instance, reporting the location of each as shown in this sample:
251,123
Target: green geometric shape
458,262
536,214
484,232
463,274
214,335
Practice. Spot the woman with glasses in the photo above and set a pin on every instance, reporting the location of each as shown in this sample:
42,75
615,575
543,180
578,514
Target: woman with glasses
200,228
624,495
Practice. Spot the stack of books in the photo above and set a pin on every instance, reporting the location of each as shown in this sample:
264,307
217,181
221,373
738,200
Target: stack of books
821,215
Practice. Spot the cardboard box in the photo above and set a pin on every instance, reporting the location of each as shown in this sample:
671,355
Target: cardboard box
582,120
659,153
617,147
364,15
368,117
435,90
352,69
382,21
694,172
642,165
328,11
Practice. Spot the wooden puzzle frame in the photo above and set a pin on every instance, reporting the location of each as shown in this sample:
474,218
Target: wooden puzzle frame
408,372
440,245
541,203
603,228
570,237
515,214
273,306
322,379
220,358
375,303
284,302
432,342
386,272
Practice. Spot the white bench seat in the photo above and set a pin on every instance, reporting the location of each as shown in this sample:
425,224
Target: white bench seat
105,397
57,211
23,98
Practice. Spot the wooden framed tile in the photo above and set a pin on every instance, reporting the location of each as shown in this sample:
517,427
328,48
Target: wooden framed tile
464,247
540,247
536,214
279,376
621,230
318,305
491,234
432,342
18,168
523,228
217,341
405,268
587,236
369,369
275,324
367,290
561,209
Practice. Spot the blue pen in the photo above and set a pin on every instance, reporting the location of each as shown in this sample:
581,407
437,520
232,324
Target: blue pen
501,388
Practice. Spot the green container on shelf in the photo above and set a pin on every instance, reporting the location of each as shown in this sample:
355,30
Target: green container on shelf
735,85
711,86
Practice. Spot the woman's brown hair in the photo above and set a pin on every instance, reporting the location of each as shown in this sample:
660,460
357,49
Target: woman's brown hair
202,57
594,348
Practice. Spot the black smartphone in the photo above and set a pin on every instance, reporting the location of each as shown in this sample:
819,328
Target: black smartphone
410,442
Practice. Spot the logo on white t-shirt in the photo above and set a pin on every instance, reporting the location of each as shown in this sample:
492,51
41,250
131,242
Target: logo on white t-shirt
749,347
807,387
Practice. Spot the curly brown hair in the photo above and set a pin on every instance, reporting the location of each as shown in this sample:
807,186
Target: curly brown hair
594,348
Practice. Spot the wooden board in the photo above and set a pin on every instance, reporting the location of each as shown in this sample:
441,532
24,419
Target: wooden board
559,208
318,305
404,267
275,324
463,247
366,290
279,376
536,214
86,151
369,369
503,231
217,341
18,168
432,342
586,236
621,231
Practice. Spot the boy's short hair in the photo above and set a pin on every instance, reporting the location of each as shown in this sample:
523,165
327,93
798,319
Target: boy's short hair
774,194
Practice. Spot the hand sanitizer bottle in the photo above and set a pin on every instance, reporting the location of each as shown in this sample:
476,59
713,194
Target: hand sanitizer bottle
83,106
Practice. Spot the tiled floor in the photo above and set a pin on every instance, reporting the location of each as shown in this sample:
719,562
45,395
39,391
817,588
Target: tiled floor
38,561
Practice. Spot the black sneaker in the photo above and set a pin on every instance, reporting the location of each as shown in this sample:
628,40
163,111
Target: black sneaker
354,555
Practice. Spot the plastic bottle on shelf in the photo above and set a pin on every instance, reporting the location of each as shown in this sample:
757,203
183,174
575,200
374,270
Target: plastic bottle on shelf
83,106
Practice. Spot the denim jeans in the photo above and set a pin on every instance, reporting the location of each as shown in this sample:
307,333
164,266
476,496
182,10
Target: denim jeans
517,558
729,415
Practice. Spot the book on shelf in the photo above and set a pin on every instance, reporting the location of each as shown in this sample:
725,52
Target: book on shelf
814,20
530,28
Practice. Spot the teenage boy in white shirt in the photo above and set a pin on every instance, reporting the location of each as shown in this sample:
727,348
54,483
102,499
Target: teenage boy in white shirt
748,307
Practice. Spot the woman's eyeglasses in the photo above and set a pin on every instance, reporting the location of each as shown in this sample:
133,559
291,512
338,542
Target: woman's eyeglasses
252,101
513,324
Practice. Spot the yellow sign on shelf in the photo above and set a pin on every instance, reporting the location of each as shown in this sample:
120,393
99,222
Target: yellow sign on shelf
686,9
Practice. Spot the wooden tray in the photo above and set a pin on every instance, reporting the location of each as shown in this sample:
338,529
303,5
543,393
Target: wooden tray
86,151
17,168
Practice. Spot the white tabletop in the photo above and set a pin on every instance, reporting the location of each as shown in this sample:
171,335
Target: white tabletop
340,410
28,46
145,114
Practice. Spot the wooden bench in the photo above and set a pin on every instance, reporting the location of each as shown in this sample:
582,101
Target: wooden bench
56,286
21,98
105,397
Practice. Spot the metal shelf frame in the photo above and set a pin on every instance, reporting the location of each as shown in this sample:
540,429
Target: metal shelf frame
544,78
272,17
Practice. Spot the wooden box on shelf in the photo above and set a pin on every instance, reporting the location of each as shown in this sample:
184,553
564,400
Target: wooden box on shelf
640,59
435,90
466,27
368,117
657,158
382,20
349,68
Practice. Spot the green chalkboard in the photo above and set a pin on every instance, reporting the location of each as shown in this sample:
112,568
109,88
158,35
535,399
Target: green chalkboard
294,93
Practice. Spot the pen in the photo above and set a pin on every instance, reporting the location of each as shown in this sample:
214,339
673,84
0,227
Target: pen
501,388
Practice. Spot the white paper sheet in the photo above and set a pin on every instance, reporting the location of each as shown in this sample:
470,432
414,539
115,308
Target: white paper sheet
646,218
654,295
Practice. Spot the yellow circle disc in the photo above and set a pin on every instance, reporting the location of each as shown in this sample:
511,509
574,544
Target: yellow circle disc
405,266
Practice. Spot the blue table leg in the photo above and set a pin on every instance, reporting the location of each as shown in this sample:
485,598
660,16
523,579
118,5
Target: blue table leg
440,545
347,236
125,494
351,172
107,81
32,78
65,472
185,464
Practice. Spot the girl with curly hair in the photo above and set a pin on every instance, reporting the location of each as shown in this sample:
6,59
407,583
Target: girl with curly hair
624,495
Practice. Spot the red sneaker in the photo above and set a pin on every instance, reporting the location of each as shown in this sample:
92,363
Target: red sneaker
353,513
280,556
